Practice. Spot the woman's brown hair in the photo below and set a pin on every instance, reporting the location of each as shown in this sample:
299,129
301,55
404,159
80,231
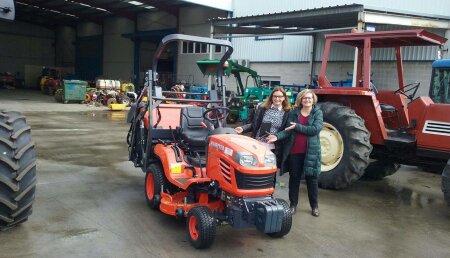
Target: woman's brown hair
301,94
285,104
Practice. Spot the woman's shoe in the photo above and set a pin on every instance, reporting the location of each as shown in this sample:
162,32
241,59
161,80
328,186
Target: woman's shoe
293,210
315,212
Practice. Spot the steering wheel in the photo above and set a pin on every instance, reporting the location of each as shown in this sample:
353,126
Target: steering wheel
216,115
412,87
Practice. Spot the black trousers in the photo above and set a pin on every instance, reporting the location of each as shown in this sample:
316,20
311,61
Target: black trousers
296,163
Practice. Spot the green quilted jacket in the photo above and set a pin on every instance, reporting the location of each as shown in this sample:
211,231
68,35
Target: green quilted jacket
312,130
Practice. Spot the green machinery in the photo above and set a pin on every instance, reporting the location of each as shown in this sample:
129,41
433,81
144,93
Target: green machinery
243,104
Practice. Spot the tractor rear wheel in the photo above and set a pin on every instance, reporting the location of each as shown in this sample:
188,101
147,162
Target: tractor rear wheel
446,182
345,146
379,169
201,227
286,223
17,170
154,182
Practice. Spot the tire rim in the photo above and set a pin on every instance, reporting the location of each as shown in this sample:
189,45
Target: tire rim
150,187
332,147
193,231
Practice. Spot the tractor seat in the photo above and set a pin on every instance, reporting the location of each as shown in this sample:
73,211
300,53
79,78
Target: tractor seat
191,131
387,108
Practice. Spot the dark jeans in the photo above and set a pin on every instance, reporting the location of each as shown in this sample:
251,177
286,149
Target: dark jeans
296,163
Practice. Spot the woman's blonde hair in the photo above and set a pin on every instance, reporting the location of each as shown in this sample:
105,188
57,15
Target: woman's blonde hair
268,103
301,94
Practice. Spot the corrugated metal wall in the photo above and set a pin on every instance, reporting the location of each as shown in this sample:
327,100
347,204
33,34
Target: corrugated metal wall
291,48
253,7
297,48
344,53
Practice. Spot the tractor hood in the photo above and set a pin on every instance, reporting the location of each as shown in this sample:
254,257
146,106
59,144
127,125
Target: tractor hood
230,144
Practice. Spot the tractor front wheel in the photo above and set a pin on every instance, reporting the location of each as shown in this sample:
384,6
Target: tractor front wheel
446,182
345,146
286,222
201,227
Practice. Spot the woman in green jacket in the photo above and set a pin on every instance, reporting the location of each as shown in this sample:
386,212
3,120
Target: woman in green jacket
301,148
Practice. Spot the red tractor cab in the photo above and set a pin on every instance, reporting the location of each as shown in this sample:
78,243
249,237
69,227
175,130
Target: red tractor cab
198,169
391,127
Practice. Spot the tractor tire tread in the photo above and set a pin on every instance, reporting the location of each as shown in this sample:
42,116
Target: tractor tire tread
157,171
17,170
286,223
357,145
206,227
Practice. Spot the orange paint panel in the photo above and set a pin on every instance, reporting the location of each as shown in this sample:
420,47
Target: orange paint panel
365,105
170,203
434,130
170,116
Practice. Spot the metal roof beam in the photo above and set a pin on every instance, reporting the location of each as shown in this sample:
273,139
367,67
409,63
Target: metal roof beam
226,5
115,11
159,4
292,17
386,18
59,11
259,31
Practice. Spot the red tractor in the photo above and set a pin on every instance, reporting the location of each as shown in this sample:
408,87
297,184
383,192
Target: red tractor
392,127
196,168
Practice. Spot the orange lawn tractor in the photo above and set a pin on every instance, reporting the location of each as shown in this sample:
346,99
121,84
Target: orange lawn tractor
198,169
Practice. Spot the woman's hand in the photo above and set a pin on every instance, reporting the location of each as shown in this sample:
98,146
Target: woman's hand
291,127
238,129
271,138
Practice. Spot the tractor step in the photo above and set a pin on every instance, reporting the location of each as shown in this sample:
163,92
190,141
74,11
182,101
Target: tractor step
396,137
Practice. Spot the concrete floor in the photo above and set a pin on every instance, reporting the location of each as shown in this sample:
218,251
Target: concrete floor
90,203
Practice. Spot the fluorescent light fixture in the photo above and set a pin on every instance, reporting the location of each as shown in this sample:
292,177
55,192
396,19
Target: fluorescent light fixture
101,9
149,7
135,3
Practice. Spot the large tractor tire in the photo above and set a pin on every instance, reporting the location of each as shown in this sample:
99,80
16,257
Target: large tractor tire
17,170
446,182
379,169
201,227
346,147
286,223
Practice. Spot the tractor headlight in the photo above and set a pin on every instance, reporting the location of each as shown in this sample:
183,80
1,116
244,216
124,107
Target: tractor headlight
270,159
245,159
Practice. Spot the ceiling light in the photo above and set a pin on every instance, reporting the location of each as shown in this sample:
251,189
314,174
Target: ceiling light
149,7
135,3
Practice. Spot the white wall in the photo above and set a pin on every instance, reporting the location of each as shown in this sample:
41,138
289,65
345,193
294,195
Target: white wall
156,21
194,21
117,50
65,48
86,29
253,7
24,44
384,74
